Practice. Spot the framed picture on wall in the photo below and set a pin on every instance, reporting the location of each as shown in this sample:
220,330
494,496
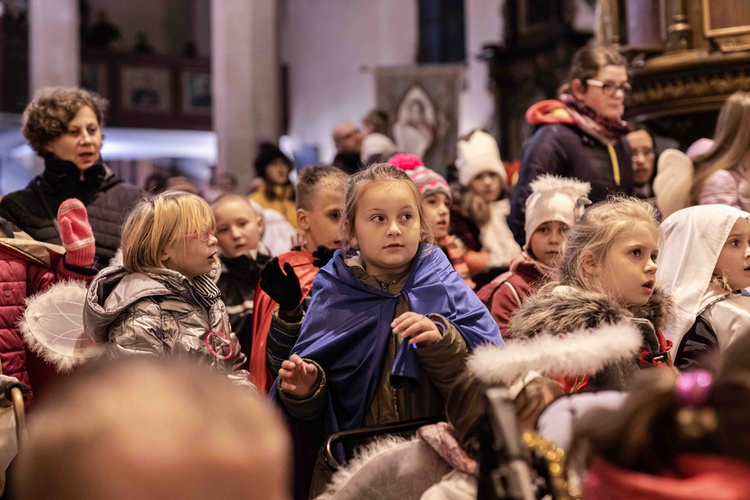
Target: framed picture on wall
196,93
145,89
728,24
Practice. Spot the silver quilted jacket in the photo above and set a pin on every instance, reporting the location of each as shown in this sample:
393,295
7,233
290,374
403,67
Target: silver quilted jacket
159,314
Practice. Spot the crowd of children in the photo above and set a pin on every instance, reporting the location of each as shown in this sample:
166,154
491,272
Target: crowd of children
405,298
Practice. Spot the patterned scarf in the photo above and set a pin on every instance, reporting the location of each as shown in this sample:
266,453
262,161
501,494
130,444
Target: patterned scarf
607,130
206,290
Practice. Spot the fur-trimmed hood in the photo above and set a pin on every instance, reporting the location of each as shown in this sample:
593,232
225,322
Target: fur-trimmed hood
565,309
562,310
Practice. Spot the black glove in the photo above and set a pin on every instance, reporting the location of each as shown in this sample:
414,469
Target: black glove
281,287
322,255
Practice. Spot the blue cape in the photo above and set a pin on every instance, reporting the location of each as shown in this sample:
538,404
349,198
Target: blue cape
347,328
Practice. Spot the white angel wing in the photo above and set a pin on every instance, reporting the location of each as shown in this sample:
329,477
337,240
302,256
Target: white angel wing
52,326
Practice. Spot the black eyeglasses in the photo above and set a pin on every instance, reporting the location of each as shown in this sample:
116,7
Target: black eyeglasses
645,152
610,88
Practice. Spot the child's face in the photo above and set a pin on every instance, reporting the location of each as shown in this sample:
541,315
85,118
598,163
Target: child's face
238,227
196,257
277,172
734,259
438,214
487,185
629,270
321,225
546,242
387,227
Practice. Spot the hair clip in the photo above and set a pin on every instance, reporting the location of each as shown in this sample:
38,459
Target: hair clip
693,387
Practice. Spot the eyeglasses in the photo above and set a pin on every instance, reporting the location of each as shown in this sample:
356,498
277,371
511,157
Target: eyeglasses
610,88
203,235
645,152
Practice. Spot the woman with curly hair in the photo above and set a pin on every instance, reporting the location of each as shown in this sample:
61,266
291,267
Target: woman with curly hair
63,126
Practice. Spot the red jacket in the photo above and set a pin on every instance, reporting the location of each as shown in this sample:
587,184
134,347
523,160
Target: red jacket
26,268
504,294
302,262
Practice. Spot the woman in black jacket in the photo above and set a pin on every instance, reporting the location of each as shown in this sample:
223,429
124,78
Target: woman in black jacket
581,135
63,126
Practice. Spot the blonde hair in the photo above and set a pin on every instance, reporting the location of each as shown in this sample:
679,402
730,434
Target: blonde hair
380,173
233,197
314,179
159,220
594,234
730,147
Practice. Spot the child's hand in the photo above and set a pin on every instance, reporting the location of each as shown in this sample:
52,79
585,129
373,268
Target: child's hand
281,286
297,376
418,328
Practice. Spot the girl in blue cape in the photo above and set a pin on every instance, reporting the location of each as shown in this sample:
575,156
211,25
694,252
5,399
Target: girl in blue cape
390,322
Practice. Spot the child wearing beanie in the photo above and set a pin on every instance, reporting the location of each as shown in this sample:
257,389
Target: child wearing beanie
437,201
480,219
276,190
554,205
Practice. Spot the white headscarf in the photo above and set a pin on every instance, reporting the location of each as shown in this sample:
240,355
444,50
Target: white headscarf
693,240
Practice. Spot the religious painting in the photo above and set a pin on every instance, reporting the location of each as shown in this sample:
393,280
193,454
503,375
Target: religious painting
422,104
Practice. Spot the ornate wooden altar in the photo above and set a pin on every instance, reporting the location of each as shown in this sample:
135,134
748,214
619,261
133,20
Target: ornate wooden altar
686,57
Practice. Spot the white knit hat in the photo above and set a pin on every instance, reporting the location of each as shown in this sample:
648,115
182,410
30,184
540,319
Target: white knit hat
554,198
478,155
376,144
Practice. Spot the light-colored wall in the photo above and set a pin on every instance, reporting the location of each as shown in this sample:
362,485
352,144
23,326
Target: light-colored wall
329,47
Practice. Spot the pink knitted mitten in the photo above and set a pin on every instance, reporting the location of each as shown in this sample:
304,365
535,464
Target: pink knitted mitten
76,234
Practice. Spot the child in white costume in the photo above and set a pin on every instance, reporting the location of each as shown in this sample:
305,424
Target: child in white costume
705,261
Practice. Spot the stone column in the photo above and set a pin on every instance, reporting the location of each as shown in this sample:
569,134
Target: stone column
245,81
54,45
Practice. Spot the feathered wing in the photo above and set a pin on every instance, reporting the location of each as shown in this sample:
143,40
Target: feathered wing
52,326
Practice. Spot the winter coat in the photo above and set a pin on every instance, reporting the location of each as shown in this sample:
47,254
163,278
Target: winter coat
715,329
107,198
365,372
27,267
693,240
237,283
727,187
283,203
302,263
566,150
361,334
159,313
566,309
504,294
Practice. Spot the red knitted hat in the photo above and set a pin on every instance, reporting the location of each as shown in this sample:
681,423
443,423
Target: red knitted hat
427,180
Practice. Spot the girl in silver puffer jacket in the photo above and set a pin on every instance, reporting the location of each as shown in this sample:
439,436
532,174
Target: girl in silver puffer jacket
161,301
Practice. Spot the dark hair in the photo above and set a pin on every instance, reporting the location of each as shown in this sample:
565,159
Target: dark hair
267,153
654,426
638,126
587,62
378,121
47,116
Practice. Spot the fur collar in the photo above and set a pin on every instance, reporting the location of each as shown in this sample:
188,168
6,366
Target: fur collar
562,310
